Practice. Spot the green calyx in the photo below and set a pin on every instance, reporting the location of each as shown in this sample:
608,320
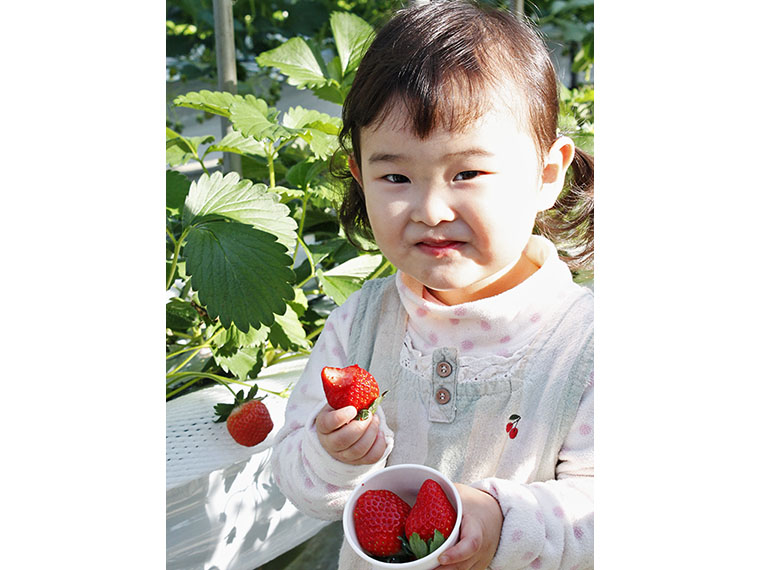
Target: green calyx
223,411
419,548
367,412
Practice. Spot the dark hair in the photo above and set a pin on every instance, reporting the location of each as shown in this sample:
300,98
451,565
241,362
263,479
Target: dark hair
444,60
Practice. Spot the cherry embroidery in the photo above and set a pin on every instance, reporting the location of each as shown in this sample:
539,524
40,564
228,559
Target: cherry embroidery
512,426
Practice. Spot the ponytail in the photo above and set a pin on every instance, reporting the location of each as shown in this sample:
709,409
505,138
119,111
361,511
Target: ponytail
570,222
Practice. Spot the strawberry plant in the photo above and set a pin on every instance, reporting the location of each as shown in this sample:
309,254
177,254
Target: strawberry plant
256,262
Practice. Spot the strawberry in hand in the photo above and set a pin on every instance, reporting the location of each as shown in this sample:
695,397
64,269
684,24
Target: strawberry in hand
248,419
351,386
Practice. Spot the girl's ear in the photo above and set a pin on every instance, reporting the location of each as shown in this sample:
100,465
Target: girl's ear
354,168
558,160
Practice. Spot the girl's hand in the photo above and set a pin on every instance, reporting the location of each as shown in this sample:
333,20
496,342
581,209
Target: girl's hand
358,442
479,533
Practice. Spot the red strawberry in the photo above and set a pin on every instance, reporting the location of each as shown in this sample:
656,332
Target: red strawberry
379,518
248,419
431,512
351,386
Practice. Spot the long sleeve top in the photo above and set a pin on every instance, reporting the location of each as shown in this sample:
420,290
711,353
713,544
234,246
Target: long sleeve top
548,512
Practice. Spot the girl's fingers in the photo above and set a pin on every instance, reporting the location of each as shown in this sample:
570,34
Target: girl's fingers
377,450
359,448
460,556
329,420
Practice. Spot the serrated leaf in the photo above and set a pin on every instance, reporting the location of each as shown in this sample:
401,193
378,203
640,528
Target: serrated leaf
359,267
242,201
296,60
338,288
254,118
232,339
287,331
303,173
245,363
180,315
177,187
341,281
330,92
239,144
352,38
242,275
215,102
181,149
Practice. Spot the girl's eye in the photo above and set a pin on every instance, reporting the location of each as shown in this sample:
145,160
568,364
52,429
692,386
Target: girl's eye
396,178
467,175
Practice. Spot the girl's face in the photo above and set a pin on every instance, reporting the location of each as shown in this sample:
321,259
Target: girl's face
455,210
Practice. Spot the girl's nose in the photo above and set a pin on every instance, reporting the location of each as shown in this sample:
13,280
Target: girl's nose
432,206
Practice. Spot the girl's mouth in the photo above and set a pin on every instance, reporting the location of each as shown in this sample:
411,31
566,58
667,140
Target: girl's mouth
439,247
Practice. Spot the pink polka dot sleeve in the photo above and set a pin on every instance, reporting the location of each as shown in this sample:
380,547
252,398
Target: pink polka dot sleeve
550,525
314,481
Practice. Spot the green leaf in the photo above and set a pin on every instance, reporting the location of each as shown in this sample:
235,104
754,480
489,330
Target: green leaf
341,281
232,339
180,315
242,275
244,363
181,149
352,38
241,201
287,331
359,267
177,187
254,118
303,173
237,143
296,60
331,92
215,102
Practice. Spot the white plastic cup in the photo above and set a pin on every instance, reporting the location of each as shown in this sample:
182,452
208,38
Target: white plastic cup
405,480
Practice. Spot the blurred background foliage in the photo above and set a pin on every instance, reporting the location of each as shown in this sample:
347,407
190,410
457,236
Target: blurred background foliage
261,25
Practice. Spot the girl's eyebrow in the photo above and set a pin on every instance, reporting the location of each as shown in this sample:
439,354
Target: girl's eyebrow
385,157
391,157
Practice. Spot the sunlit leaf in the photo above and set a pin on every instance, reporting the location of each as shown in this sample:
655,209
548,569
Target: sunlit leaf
254,118
341,281
239,144
296,60
287,331
242,201
216,102
352,38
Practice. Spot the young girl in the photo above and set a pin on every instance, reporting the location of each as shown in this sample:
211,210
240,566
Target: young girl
481,338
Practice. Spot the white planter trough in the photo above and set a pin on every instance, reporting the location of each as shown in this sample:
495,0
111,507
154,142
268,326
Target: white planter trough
223,508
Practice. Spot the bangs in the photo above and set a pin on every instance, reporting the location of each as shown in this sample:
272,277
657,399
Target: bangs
450,103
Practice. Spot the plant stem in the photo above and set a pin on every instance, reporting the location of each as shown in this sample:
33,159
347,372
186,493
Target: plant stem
175,258
270,161
315,332
221,380
283,356
309,257
195,349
